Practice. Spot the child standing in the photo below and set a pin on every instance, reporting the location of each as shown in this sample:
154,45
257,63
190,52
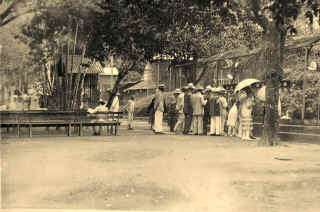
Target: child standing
232,119
130,109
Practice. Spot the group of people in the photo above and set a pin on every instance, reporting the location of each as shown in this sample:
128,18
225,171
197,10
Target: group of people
205,111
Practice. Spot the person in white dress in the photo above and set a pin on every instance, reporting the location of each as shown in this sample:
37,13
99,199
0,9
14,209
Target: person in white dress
223,109
232,119
130,110
159,110
246,121
115,103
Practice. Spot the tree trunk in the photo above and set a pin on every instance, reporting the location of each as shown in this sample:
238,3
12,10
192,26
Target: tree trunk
116,87
190,73
272,59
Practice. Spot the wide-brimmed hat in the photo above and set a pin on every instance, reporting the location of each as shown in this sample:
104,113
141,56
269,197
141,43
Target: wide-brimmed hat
177,91
101,101
184,88
190,86
199,88
208,88
312,66
221,89
214,90
161,86
117,94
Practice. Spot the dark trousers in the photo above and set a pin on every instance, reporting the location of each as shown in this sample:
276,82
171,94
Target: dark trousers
172,120
187,123
206,123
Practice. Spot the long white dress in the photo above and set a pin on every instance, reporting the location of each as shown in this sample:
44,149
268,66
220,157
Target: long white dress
232,116
115,104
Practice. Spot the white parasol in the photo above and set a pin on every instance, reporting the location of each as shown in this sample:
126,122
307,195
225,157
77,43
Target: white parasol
261,94
245,83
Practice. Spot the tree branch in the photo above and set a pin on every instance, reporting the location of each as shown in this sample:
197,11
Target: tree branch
8,11
202,74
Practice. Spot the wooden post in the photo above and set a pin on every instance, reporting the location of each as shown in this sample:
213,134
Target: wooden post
307,54
170,79
158,74
69,129
179,77
80,128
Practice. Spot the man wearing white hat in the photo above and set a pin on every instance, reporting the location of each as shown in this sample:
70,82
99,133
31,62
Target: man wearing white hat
159,109
214,111
187,109
198,103
223,109
206,116
179,107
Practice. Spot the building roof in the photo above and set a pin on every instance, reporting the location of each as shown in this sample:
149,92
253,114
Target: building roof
86,65
144,85
294,43
110,71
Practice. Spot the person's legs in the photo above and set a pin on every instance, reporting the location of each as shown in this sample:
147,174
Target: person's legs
206,121
200,125
180,123
223,121
195,124
130,120
188,120
218,125
212,125
158,121
94,130
230,130
171,122
240,129
233,131
100,130
192,126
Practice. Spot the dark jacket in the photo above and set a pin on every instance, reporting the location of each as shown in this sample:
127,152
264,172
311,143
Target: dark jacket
214,107
187,104
207,109
150,108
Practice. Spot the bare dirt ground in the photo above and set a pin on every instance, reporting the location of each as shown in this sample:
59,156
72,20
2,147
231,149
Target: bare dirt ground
146,172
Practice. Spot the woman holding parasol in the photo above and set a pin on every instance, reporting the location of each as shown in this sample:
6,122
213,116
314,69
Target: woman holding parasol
245,94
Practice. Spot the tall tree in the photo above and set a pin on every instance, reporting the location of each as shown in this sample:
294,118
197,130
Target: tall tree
10,10
131,31
62,27
276,18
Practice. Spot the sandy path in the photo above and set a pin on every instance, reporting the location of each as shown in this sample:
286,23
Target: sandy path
180,173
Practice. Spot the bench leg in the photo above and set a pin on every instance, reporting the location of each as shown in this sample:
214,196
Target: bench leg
116,130
69,130
30,130
18,129
80,129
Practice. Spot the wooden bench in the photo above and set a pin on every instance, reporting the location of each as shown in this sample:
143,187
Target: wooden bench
69,120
